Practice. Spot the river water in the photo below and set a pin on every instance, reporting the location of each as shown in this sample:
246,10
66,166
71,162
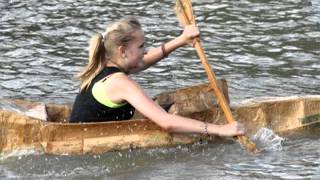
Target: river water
262,48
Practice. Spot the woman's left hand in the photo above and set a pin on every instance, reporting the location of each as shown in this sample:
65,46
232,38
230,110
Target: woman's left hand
189,33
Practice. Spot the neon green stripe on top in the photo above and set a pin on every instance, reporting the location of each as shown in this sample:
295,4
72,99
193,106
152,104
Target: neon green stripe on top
99,93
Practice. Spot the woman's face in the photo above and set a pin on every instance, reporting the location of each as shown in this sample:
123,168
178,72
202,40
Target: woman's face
135,50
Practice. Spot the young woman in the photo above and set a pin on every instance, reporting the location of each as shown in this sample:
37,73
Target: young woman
107,93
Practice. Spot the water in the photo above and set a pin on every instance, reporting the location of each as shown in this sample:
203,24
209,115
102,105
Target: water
11,106
266,139
299,159
262,48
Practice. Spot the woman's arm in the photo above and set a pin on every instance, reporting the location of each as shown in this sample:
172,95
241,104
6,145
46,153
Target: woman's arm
156,54
123,88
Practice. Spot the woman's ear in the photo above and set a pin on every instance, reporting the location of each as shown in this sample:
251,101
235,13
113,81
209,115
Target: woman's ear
122,51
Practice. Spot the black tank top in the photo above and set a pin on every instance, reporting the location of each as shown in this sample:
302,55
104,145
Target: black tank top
87,109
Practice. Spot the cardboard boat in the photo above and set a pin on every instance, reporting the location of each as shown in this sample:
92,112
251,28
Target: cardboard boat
56,136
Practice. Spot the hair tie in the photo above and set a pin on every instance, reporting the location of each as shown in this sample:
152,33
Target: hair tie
102,41
102,35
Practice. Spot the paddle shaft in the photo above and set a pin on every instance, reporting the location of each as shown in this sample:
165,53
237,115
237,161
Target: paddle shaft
220,97
211,76
244,140
213,82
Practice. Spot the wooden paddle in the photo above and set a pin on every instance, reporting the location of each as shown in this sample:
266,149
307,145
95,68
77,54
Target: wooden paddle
185,16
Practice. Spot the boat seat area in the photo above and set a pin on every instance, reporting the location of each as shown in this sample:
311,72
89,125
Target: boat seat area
183,101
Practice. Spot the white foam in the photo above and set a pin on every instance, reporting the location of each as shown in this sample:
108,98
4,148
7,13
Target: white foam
19,153
266,139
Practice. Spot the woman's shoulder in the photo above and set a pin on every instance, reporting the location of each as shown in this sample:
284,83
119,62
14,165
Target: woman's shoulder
120,87
122,83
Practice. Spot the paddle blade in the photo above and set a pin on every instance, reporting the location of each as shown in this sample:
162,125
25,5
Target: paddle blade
184,12
248,144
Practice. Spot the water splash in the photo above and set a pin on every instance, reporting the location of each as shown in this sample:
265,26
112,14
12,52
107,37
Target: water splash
11,106
266,139
37,110
19,154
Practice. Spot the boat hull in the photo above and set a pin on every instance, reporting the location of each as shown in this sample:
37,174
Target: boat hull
57,136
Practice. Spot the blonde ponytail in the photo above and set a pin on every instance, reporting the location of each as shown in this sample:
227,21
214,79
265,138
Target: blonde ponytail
96,61
102,48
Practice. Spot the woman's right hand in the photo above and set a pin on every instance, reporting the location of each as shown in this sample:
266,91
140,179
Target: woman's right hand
231,129
189,33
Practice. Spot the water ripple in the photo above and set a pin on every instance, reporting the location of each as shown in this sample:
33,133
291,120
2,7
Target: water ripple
262,48
241,38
